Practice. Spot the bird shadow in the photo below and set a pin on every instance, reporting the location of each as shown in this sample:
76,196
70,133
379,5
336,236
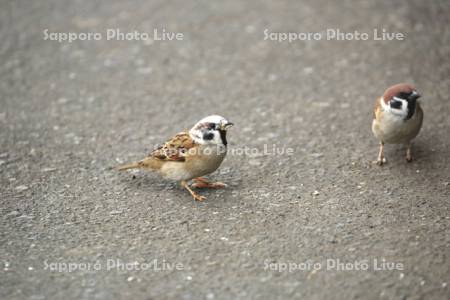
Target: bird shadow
396,154
140,182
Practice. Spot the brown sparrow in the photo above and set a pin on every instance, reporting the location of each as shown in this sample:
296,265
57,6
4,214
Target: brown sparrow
190,155
398,118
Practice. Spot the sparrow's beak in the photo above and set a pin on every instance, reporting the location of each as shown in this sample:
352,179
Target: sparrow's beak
227,125
415,95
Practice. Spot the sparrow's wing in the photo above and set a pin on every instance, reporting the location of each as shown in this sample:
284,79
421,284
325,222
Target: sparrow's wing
176,148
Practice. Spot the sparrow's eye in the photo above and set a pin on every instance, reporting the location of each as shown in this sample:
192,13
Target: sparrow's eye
403,95
210,126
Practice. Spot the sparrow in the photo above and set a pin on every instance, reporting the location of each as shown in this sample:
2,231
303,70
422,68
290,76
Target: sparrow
190,155
397,119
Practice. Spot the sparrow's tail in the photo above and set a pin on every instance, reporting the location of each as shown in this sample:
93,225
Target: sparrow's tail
134,165
148,163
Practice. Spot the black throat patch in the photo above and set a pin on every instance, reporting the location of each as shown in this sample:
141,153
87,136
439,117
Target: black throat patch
411,108
223,136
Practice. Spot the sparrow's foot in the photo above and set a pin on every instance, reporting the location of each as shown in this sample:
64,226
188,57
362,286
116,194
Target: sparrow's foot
381,161
409,157
203,183
196,196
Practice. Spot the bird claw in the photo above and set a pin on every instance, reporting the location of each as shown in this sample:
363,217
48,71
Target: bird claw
198,197
381,162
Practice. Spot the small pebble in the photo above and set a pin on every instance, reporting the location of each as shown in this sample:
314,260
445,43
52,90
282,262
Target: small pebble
62,100
21,188
250,28
145,71
254,162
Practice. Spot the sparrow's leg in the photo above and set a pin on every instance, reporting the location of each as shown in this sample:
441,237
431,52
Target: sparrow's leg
381,160
409,157
201,182
196,196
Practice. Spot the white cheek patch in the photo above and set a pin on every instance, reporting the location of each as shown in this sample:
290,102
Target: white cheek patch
216,139
402,111
197,136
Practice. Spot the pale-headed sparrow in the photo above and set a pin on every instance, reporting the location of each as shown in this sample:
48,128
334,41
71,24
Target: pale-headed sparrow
398,118
190,155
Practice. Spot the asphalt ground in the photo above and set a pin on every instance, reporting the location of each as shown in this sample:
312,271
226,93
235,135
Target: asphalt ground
317,224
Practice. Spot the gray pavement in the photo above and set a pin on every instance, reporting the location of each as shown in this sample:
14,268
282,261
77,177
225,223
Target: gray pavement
71,111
